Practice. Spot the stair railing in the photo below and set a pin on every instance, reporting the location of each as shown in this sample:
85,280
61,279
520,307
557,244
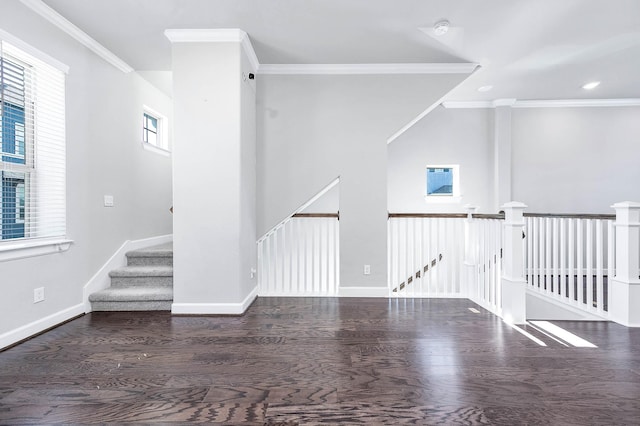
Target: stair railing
484,252
301,257
571,258
425,255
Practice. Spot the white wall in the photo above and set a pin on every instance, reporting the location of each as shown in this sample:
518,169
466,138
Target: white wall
444,136
575,160
214,178
104,156
563,160
248,230
312,129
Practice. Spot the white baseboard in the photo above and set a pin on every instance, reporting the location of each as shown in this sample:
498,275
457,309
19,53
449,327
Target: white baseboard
292,295
363,292
101,280
215,308
11,337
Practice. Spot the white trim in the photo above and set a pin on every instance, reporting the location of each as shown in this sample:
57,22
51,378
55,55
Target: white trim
467,104
363,291
396,296
215,308
504,102
32,248
359,69
38,326
205,35
16,42
215,35
293,295
101,280
152,148
251,54
63,24
551,103
577,103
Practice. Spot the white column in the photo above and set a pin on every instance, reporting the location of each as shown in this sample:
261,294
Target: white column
502,151
213,171
514,285
470,285
624,288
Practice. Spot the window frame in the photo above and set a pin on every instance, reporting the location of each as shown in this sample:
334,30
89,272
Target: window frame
32,244
455,196
162,135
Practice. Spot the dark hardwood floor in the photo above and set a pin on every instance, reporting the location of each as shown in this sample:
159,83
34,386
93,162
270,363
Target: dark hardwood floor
312,361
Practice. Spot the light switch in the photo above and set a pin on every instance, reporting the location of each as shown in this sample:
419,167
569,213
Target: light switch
108,200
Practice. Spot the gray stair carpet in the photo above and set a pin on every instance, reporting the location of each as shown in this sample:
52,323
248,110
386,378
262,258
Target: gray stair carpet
145,284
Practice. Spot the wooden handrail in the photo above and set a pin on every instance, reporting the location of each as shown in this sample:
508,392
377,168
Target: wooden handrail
571,215
488,216
317,215
501,215
430,215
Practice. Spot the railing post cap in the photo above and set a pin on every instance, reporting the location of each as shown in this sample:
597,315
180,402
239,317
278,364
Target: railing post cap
514,205
626,205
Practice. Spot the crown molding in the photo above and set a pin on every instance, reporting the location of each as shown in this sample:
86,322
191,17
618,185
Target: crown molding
204,35
467,104
215,35
360,69
62,23
504,102
577,103
5,36
251,54
551,103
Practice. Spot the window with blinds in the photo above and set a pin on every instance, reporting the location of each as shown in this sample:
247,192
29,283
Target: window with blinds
32,147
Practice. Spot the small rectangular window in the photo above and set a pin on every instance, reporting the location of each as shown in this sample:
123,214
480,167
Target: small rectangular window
442,181
154,131
150,129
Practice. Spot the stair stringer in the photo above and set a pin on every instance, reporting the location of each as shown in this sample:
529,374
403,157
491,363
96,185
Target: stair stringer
541,307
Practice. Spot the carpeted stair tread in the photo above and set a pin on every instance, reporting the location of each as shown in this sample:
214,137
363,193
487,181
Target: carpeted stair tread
133,294
164,250
143,271
145,284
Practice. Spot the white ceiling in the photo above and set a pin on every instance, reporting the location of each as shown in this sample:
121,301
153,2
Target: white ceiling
528,49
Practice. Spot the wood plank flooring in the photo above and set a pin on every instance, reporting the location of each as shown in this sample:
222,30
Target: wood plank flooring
291,361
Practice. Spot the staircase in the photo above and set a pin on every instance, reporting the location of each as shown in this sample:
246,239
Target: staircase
145,284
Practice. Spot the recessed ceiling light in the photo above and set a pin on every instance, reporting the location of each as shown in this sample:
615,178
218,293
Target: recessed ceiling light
591,85
485,88
441,27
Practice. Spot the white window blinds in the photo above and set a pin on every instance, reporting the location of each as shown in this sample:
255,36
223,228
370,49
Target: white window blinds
32,141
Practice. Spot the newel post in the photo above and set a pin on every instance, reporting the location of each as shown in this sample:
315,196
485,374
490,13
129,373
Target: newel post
514,286
624,290
470,253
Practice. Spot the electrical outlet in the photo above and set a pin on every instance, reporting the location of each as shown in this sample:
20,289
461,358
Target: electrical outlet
367,269
38,295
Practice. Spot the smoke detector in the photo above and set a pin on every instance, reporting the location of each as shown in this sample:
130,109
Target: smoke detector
441,27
